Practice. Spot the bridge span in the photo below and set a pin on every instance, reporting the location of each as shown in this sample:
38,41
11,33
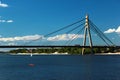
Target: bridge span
54,46
85,25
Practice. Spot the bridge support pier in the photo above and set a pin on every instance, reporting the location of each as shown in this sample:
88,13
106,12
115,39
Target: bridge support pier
87,33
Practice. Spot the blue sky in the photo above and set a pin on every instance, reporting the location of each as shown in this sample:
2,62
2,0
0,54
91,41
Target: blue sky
26,20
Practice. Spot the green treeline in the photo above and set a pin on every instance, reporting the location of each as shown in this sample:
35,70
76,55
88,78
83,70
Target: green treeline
69,50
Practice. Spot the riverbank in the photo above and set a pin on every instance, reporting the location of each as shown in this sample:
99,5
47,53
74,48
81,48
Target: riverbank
117,53
55,53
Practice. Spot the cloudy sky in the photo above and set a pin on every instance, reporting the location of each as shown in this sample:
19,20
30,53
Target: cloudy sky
24,21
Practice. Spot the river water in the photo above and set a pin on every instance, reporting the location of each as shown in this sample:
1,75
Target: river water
60,67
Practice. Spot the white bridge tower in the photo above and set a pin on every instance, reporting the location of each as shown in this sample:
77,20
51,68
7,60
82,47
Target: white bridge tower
87,33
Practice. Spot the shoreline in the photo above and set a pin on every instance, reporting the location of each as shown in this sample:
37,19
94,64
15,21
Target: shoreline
117,53
56,53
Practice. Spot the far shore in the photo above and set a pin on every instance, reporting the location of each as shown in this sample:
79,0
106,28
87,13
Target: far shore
56,53
117,53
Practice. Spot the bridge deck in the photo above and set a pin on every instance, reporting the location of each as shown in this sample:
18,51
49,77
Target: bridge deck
52,46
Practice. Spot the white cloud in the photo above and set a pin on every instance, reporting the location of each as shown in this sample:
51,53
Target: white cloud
23,38
2,21
6,21
9,21
118,30
113,30
110,31
63,37
3,4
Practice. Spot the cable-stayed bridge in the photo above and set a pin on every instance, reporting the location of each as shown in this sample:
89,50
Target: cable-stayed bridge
84,25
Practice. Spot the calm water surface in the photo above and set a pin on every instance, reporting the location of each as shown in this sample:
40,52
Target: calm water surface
62,67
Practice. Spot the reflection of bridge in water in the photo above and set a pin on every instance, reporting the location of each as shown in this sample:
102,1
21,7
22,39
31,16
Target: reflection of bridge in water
88,25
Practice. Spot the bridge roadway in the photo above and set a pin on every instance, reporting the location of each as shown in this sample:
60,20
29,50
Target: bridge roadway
53,46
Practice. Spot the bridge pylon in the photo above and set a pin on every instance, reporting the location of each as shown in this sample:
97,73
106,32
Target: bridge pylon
87,33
